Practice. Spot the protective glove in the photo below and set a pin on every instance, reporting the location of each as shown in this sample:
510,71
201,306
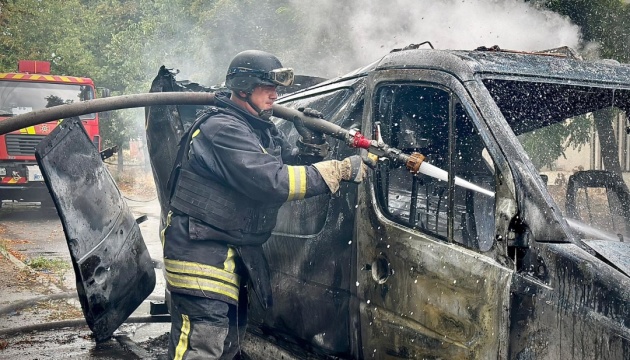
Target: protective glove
316,150
352,168
370,160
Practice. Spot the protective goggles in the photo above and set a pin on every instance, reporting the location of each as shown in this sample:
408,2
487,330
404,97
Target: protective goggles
282,76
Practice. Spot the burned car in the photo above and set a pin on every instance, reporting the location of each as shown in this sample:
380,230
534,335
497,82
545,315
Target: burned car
512,244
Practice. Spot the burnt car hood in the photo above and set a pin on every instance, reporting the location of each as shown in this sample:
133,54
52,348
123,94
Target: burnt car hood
614,252
165,125
114,272
610,247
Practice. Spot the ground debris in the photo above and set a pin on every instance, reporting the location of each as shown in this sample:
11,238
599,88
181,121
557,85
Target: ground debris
157,345
57,310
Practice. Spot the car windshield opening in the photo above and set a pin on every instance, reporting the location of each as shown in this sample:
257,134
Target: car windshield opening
576,137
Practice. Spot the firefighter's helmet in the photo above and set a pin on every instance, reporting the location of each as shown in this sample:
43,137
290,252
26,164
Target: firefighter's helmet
252,68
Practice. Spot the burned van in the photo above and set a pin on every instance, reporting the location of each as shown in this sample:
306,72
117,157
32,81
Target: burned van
509,242
529,260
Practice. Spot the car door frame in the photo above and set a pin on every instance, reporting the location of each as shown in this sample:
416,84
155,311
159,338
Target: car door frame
396,263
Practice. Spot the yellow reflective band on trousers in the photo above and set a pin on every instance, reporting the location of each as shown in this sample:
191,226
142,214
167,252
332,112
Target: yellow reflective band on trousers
297,182
193,268
182,345
202,285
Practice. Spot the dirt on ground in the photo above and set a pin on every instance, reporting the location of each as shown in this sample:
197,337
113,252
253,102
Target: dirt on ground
13,279
19,283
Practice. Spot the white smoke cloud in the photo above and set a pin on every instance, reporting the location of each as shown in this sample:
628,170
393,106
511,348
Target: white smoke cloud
331,37
371,28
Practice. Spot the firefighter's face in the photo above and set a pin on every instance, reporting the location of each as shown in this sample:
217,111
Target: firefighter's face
264,96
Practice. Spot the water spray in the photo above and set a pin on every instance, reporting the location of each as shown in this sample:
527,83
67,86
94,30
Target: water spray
436,172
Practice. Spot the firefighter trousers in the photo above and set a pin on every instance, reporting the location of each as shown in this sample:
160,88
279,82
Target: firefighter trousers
203,328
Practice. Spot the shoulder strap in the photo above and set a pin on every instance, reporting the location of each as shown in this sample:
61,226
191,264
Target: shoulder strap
184,143
184,146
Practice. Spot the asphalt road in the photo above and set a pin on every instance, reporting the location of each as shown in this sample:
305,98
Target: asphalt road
37,231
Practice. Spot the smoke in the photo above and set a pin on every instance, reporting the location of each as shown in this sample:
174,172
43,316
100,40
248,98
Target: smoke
329,38
368,29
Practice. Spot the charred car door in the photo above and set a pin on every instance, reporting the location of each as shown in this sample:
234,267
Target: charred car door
114,272
431,280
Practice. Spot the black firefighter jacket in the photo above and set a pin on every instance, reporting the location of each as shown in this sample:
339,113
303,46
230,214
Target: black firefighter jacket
243,153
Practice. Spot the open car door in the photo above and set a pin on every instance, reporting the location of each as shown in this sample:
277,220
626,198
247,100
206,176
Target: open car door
114,272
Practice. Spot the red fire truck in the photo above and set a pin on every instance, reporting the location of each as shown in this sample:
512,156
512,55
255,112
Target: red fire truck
34,88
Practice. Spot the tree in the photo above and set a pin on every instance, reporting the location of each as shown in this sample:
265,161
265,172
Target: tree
604,23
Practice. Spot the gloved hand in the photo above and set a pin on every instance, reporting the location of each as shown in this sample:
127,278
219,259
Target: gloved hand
311,112
316,150
308,136
311,144
352,168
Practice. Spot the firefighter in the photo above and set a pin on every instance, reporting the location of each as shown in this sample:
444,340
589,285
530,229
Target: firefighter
231,176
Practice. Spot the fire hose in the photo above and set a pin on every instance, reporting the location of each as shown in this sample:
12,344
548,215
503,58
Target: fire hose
414,162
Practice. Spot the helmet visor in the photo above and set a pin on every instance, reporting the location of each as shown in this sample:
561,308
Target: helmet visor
281,77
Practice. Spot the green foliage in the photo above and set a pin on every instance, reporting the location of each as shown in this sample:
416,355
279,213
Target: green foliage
55,267
122,43
41,263
603,22
573,133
